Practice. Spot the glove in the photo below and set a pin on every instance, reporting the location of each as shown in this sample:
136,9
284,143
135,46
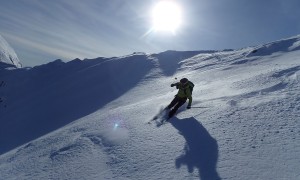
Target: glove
172,85
188,107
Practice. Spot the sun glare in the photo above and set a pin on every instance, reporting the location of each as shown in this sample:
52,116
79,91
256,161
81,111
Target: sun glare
166,16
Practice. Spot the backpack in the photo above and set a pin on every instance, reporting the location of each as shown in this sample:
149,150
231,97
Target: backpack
191,86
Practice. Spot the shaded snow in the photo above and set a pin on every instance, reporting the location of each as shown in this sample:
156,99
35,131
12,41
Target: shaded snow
88,119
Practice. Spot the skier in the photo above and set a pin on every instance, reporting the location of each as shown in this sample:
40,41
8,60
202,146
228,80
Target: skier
185,88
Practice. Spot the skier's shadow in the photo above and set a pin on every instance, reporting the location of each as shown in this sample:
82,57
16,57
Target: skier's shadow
201,150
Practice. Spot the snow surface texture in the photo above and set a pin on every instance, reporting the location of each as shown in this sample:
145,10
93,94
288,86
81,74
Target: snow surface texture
88,119
8,55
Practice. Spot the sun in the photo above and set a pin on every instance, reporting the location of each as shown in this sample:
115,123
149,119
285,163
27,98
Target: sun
166,16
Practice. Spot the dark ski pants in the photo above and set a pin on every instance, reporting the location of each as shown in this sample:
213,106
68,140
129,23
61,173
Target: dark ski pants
175,104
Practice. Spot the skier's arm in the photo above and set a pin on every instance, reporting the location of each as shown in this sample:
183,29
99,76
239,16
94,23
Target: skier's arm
189,96
175,84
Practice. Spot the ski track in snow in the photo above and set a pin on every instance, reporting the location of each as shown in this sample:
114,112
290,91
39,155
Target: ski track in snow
244,124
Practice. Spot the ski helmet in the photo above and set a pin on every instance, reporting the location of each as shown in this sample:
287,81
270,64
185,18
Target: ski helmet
184,80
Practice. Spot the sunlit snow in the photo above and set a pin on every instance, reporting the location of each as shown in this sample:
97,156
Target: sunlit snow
88,119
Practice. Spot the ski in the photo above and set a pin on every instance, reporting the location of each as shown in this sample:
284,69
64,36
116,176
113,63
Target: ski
160,117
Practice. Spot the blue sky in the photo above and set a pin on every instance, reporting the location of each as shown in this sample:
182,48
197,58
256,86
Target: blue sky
41,31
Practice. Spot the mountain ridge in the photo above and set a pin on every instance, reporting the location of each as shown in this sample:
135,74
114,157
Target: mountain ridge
7,55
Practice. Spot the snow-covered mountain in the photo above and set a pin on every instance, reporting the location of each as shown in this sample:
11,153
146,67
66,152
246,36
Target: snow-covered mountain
88,119
8,55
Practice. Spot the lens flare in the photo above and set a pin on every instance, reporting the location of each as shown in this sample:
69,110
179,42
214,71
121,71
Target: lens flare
116,125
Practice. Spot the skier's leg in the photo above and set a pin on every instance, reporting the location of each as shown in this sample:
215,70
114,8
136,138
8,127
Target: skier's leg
173,103
178,105
171,113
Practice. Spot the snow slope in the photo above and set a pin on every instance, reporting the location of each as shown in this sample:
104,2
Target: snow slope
88,119
8,55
